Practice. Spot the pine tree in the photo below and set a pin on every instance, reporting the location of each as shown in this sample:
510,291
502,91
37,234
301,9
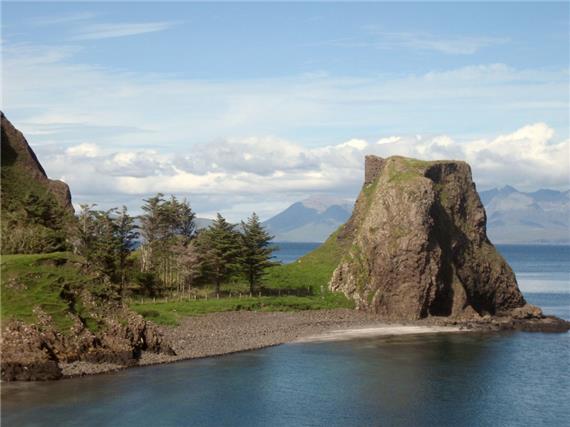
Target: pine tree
105,244
85,232
105,239
185,220
127,233
166,227
256,250
151,224
220,250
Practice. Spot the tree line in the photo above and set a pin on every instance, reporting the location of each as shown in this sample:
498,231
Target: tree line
164,252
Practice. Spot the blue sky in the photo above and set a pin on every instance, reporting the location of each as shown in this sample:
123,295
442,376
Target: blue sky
244,106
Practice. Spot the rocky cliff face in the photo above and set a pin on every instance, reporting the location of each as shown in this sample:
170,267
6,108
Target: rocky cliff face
37,214
37,352
37,218
417,246
16,152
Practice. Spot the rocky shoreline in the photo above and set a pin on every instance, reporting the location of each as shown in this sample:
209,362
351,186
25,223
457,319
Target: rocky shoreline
217,334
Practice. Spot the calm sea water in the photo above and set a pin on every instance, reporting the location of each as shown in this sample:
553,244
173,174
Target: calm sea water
475,379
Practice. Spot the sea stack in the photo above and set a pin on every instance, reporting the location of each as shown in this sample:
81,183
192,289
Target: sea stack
416,246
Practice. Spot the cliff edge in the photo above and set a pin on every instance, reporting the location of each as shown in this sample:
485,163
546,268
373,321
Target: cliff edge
417,247
37,213
16,152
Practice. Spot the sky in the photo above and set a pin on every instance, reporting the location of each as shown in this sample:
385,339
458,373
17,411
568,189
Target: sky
243,107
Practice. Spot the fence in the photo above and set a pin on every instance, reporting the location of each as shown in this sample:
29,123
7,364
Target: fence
205,296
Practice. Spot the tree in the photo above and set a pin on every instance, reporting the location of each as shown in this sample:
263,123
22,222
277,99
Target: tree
85,232
256,250
127,233
186,227
188,264
106,244
151,225
167,227
105,239
220,251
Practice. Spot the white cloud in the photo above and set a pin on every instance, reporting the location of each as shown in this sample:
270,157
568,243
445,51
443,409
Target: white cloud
83,150
62,19
424,41
388,140
275,170
116,136
391,40
358,144
107,31
46,92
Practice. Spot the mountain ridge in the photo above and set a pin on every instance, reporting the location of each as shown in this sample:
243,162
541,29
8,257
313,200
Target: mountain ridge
310,220
515,217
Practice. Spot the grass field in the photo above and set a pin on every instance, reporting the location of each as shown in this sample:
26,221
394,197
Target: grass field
169,313
313,270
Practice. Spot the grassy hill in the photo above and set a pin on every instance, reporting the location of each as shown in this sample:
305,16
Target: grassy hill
51,282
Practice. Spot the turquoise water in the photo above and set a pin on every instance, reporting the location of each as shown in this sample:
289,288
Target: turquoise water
289,251
474,379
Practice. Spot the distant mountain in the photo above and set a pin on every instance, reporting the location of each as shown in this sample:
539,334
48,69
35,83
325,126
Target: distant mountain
311,220
539,217
514,216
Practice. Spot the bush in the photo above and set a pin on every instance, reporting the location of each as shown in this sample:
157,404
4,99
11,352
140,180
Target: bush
30,239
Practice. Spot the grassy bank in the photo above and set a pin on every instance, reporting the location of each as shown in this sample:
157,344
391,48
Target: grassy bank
312,271
169,313
45,281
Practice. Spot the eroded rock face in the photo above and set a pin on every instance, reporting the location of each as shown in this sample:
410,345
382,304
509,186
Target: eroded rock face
418,245
15,149
34,352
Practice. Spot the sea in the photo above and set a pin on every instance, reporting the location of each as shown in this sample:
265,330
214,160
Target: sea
457,379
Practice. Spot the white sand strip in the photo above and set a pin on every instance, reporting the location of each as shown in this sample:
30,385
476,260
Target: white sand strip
377,331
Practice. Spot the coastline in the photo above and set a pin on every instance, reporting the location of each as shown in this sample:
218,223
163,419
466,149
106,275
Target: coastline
217,334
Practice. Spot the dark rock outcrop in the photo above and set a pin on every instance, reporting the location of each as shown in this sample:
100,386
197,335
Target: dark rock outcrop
16,150
35,352
417,246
